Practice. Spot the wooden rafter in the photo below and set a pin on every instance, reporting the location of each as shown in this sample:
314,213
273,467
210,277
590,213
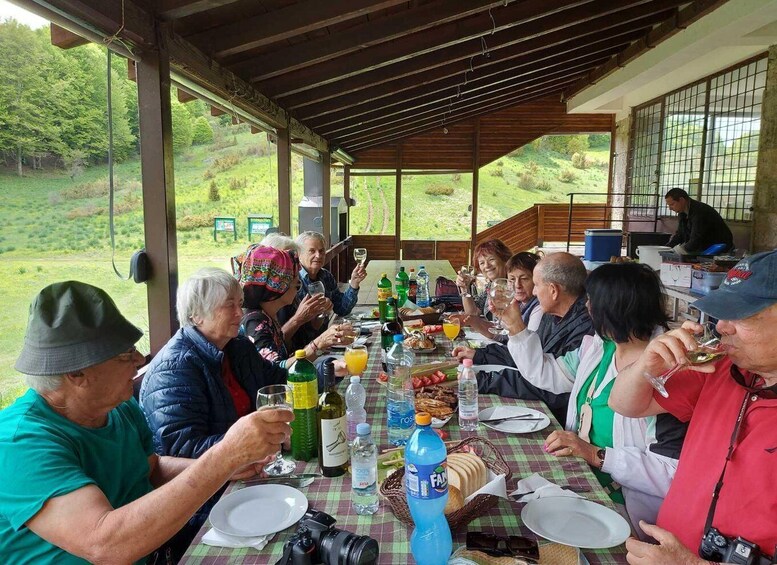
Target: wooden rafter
174,9
295,19
527,20
295,57
322,101
335,123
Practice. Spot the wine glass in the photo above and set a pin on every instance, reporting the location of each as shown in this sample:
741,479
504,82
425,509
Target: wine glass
708,349
276,397
467,272
360,254
356,359
451,326
501,293
315,288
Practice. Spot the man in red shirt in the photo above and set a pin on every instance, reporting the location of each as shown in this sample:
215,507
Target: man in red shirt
732,409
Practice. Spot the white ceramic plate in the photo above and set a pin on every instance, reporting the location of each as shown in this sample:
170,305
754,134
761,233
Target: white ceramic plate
514,426
575,521
258,511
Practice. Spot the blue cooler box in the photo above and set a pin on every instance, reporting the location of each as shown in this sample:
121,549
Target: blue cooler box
600,245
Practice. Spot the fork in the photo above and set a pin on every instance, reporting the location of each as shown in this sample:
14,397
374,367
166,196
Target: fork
522,417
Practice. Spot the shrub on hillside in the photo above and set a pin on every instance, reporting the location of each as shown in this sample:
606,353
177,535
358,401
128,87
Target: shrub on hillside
84,212
577,144
213,192
236,183
202,132
86,190
456,177
567,176
544,186
193,221
208,174
526,181
580,161
497,172
532,167
226,162
439,190
500,163
598,139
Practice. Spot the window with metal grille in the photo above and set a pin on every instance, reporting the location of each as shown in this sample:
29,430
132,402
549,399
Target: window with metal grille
703,138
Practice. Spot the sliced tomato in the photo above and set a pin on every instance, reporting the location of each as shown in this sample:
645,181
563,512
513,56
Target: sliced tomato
417,382
426,381
382,377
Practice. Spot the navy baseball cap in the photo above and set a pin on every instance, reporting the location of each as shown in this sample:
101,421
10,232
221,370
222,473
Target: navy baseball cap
751,286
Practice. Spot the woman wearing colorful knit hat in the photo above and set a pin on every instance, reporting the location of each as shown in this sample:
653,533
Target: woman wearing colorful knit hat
270,278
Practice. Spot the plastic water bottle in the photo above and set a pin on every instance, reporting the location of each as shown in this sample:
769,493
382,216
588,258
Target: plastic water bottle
468,398
364,472
426,482
422,290
400,398
355,396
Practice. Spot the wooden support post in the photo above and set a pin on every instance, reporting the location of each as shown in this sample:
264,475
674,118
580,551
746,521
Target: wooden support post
326,197
132,72
347,197
398,205
475,181
156,146
284,181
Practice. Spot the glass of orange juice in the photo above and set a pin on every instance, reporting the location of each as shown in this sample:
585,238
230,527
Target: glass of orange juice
356,359
451,327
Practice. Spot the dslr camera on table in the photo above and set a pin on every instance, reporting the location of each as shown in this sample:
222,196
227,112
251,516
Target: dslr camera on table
723,549
318,541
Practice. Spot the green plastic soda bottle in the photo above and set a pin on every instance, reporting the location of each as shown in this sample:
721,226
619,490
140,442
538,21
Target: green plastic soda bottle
403,285
304,387
384,293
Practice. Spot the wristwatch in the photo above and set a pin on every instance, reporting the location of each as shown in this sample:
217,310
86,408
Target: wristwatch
600,454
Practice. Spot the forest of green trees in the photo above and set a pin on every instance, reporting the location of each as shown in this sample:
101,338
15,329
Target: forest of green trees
54,105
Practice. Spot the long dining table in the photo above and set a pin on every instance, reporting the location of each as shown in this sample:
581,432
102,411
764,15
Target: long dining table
375,267
523,453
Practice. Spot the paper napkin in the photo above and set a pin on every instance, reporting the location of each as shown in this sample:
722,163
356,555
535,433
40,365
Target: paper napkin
539,487
212,537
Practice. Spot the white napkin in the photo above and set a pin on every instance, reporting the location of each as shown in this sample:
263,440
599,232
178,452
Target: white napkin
542,488
496,485
212,537
477,336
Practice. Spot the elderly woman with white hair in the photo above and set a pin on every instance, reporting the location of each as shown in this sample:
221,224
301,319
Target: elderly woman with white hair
206,376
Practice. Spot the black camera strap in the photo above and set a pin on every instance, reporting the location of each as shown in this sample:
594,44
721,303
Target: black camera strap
731,446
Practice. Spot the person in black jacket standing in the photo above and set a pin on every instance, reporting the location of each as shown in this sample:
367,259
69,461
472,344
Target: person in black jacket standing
700,225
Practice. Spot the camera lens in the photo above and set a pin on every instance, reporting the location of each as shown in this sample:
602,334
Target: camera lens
344,548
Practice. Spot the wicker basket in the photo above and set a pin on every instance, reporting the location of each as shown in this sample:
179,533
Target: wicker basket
393,489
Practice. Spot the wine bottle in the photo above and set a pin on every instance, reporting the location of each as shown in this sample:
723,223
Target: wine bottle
332,430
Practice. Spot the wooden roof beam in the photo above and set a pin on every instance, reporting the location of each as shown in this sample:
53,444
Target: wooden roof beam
436,122
176,9
65,39
319,102
469,98
334,123
395,26
278,25
440,37
535,17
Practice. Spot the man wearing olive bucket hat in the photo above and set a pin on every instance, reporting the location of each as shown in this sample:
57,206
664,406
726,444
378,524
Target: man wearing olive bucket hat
80,480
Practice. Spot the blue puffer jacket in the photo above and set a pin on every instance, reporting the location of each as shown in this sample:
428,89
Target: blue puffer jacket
186,402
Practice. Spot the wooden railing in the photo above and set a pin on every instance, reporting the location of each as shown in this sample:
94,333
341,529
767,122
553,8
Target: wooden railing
543,223
337,259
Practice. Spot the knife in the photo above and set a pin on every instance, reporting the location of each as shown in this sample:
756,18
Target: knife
300,481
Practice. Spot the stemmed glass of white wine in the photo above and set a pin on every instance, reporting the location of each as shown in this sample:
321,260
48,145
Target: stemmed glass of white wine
501,293
315,288
360,254
467,272
708,348
277,397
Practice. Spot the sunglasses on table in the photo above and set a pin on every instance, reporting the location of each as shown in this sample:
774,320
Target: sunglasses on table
504,546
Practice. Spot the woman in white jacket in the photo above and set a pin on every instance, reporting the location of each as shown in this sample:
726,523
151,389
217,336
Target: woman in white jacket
636,468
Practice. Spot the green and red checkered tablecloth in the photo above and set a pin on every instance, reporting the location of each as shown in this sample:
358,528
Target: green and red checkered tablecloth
523,453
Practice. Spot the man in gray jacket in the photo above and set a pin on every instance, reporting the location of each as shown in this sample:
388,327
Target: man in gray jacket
559,281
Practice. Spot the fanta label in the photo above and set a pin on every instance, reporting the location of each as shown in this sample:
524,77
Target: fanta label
426,482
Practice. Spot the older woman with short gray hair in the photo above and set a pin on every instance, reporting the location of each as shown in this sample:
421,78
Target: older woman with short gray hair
206,376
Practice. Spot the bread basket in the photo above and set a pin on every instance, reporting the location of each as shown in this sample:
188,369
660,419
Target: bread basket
393,489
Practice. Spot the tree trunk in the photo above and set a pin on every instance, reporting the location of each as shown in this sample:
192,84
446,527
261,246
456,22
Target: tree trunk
19,160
